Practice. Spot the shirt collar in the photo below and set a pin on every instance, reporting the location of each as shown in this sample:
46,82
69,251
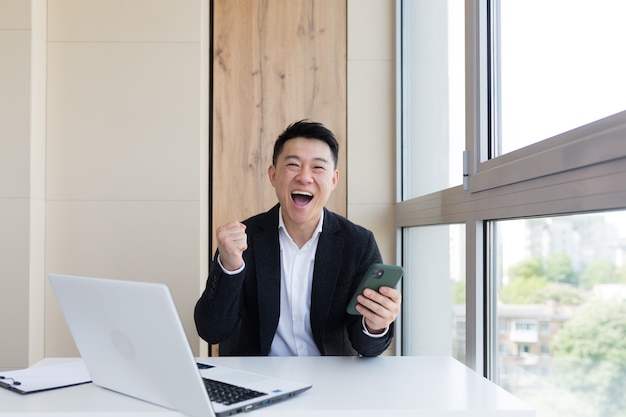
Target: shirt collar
281,223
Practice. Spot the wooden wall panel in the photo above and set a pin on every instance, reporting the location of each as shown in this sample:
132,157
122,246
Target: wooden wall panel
274,62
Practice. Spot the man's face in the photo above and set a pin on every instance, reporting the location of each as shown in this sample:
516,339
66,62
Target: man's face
303,177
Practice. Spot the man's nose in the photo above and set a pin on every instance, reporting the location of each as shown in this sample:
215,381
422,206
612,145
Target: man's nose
305,175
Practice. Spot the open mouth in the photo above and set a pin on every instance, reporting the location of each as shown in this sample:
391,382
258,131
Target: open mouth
301,198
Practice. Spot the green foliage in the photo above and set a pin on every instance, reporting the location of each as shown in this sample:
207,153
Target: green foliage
620,275
458,292
520,289
563,294
597,331
558,269
525,278
602,271
532,267
589,352
590,355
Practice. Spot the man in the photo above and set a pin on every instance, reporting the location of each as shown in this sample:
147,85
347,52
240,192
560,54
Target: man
281,280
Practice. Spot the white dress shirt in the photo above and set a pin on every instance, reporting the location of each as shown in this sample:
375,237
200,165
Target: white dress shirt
294,336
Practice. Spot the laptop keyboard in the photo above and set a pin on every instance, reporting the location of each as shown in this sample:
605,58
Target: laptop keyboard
228,394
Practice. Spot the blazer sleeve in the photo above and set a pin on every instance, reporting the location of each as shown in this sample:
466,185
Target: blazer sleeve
368,346
363,343
218,310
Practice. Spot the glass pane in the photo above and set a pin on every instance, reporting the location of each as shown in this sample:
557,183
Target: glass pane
434,285
559,64
560,331
433,95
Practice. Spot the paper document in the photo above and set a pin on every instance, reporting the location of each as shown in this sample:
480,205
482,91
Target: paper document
45,377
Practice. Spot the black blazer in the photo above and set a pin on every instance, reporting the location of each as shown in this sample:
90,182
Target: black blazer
241,311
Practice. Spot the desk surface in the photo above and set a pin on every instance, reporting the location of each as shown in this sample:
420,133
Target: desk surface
342,386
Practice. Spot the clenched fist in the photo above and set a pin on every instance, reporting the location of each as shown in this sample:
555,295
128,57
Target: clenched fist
232,241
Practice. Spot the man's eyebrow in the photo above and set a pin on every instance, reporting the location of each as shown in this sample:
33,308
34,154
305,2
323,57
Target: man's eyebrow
319,158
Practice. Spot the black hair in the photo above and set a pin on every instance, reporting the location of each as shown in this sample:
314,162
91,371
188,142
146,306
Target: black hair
308,130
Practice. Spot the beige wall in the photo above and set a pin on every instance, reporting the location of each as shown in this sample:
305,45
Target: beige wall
371,120
22,180
104,153
127,148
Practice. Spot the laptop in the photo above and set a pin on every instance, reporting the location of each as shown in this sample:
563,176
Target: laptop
132,341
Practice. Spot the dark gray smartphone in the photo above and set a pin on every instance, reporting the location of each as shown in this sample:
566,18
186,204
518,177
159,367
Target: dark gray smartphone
377,275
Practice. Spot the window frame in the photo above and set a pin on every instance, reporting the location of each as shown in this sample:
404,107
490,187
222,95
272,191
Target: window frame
579,171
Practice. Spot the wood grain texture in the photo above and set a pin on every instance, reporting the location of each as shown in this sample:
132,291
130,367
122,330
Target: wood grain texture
275,62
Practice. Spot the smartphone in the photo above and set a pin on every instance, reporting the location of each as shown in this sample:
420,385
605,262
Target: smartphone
377,275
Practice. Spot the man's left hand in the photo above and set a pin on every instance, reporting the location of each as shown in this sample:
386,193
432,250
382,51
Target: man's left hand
379,308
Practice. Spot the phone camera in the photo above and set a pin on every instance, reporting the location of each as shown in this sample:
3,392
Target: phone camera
378,273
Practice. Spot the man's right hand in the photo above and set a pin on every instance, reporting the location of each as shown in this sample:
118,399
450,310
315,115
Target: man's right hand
232,241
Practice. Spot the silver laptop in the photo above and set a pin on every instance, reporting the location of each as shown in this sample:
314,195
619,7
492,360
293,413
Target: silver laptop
132,341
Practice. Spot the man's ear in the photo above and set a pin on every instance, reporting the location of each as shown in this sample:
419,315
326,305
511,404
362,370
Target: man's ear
271,173
335,179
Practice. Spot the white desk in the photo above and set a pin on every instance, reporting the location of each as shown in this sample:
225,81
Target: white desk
342,386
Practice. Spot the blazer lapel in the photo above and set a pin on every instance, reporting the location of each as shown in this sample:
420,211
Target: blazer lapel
325,274
267,263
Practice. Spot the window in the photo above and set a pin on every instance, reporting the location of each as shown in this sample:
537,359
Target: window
434,320
433,93
523,350
525,326
544,55
545,196
567,273
504,326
